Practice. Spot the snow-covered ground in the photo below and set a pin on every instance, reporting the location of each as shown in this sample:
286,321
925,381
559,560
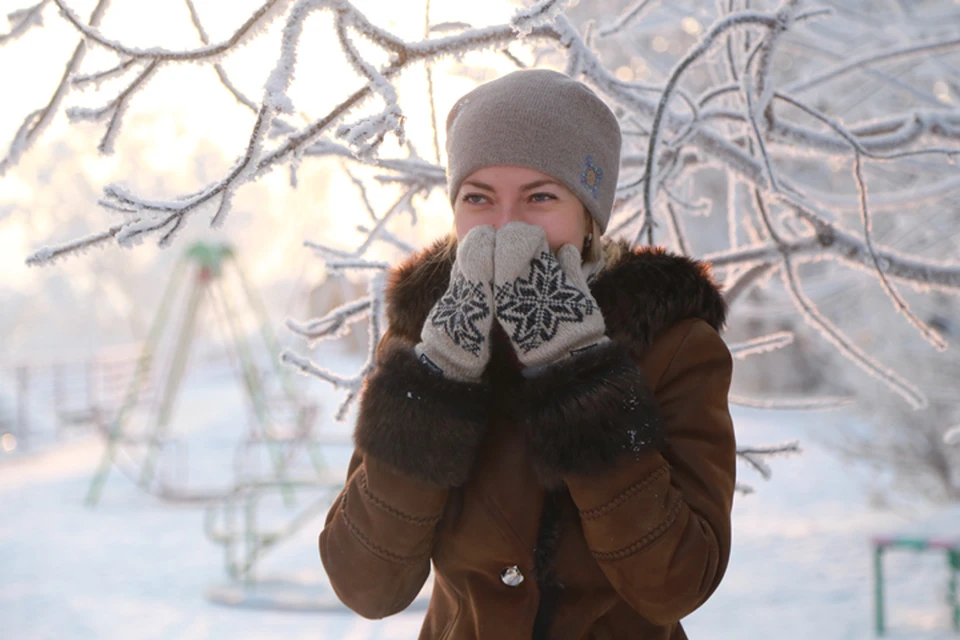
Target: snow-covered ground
136,568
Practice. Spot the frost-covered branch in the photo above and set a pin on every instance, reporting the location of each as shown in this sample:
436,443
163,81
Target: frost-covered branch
255,24
404,204
719,28
221,73
762,344
844,344
23,20
37,121
755,456
929,334
740,120
942,46
335,323
98,78
629,15
793,404
114,110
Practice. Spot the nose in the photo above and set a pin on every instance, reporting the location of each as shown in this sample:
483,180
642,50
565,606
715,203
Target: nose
505,213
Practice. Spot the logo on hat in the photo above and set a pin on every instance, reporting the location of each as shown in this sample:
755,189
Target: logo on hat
591,176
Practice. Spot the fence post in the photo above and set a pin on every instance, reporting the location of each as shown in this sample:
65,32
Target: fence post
878,584
23,424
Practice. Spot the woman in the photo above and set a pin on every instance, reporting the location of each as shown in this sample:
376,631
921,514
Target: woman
547,422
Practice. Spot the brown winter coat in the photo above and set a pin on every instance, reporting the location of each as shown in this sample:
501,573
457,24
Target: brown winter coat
607,480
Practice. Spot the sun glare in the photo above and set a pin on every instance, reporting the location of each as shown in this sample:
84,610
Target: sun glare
184,129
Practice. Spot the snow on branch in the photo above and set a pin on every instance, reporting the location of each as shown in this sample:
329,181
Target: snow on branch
23,20
254,25
628,16
114,110
221,73
745,122
755,456
719,28
404,204
762,344
543,12
335,323
38,120
845,345
98,78
49,254
942,46
793,404
952,436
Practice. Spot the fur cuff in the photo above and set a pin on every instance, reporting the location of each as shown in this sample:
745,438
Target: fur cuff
584,412
422,424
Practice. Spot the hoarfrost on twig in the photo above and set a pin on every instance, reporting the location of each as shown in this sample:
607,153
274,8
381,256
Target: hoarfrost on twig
762,344
754,456
542,12
35,123
793,404
253,26
742,124
22,21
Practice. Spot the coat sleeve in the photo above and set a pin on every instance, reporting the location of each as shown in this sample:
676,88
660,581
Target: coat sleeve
652,471
416,437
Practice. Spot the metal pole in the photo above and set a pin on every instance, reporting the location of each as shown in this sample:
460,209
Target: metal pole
177,367
255,389
59,399
140,375
23,426
878,584
953,557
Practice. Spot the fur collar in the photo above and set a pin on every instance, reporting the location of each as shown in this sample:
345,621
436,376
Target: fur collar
641,292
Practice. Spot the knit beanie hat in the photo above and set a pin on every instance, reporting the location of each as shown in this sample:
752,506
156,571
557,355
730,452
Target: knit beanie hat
542,120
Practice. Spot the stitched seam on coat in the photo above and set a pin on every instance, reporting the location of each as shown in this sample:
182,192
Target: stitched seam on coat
673,357
592,514
369,544
399,515
646,540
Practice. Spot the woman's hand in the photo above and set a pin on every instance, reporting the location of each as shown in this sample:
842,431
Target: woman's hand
543,301
455,340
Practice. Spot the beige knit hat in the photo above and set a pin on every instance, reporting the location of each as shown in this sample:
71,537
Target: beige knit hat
543,120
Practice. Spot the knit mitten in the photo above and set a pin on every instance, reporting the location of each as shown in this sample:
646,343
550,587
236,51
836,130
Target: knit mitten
455,340
543,301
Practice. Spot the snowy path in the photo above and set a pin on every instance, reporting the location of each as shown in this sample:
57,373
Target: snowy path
134,568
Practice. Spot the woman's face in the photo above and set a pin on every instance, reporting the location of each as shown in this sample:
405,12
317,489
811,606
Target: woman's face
501,194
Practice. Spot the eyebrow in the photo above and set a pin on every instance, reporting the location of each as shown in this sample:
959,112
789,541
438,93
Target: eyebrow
526,187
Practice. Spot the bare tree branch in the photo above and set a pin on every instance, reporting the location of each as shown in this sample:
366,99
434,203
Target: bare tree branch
23,20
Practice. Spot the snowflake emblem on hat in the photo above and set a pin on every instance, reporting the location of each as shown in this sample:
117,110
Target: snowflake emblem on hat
591,176
538,305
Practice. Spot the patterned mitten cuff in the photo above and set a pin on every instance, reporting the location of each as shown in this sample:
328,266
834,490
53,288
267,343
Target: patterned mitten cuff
455,340
543,301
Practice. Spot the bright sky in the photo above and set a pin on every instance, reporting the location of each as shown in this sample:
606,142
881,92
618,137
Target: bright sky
185,129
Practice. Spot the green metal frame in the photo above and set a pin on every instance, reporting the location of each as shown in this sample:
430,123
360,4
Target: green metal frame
244,546
881,545
210,263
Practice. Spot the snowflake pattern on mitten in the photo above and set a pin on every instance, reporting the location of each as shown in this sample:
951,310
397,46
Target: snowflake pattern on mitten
459,311
538,305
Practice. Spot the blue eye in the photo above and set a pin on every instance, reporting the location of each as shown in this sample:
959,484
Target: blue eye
469,197
543,196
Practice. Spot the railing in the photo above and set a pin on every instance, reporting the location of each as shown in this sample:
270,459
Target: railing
42,400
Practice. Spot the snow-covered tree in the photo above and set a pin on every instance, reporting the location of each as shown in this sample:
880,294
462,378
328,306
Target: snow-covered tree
795,145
